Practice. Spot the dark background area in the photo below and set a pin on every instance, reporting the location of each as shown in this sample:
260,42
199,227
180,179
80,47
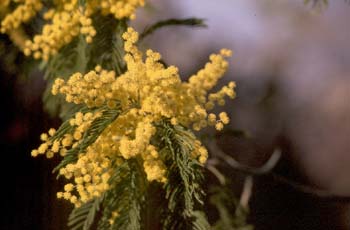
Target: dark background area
28,186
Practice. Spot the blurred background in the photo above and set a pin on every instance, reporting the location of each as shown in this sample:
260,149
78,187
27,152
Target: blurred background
291,64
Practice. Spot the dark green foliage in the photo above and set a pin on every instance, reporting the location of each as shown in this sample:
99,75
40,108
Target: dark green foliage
66,127
183,189
200,220
232,216
126,196
152,212
194,22
107,49
84,216
71,59
90,136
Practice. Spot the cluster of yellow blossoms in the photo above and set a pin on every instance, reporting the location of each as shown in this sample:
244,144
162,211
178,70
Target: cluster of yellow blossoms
146,93
26,10
153,89
66,21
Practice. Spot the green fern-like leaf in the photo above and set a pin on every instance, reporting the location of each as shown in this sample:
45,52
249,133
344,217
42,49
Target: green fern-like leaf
70,59
90,136
200,221
78,56
66,127
183,189
126,197
107,48
231,215
83,218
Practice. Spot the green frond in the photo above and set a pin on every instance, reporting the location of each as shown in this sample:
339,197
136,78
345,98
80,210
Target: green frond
232,216
84,216
125,197
82,3
193,22
200,221
78,56
90,136
107,48
183,188
71,59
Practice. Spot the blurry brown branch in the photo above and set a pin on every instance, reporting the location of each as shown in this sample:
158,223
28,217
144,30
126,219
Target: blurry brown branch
321,193
267,170
216,173
247,192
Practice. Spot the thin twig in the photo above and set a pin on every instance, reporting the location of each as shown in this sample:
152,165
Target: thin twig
247,192
266,170
216,173
321,193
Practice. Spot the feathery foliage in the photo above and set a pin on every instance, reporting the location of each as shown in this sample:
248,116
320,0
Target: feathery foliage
84,216
120,207
125,198
232,216
106,51
90,136
107,48
72,58
183,189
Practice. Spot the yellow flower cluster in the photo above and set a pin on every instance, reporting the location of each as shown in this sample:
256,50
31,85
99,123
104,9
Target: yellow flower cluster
23,13
66,21
156,90
147,93
91,174
115,214
200,152
81,122
65,26
92,170
48,148
118,8
4,3
87,89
